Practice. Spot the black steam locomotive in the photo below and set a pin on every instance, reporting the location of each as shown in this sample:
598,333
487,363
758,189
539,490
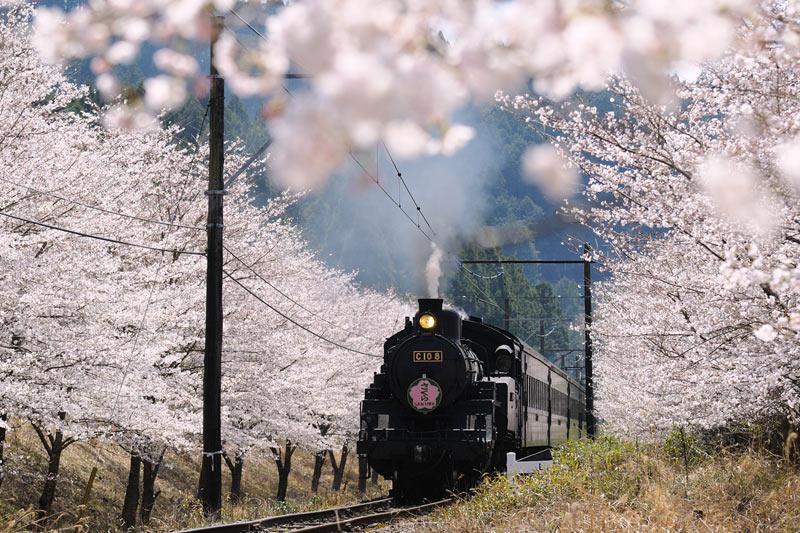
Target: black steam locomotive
453,396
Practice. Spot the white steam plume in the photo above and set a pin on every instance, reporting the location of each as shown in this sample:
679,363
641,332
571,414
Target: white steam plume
433,271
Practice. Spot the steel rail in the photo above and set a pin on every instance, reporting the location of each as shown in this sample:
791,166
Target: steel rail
375,518
288,519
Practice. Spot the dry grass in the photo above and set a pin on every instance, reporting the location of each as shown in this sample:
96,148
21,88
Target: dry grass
605,485
610,485
176,507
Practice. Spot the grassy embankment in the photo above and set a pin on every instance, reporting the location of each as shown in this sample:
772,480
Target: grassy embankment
613,485
175,508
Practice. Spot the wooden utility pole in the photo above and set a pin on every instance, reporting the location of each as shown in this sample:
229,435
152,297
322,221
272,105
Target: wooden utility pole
211,476
587,340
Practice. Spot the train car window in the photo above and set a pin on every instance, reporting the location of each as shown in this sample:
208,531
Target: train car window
542,395
528,386
543,391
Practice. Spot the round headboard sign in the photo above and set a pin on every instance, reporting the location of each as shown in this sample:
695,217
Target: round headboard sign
424,394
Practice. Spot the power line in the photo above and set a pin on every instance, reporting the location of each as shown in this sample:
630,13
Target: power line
289,75
540,319
202,125
101,209
100,237
353,157
299,325
525,261
301,306
243,45
247,163
248,24
133,348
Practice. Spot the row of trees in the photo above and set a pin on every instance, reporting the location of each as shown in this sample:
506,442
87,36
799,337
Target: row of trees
699,203
102,308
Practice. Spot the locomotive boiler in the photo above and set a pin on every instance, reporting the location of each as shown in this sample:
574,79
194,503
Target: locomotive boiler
453,395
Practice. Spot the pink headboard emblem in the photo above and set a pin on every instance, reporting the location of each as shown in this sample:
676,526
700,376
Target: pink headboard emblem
424,394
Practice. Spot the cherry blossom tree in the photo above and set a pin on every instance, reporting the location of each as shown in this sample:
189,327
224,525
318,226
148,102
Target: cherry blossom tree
102,323
392,70
698,203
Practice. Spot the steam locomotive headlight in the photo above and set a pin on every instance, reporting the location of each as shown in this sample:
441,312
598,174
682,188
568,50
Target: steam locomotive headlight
427,321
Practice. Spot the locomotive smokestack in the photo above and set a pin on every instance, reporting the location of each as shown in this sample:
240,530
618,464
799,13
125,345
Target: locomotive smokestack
430,305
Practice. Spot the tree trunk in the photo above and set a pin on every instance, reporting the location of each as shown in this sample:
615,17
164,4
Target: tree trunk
3,420
363,474
53,466
54,445
284,464
131,503
236,467
149,494
338,469
319,461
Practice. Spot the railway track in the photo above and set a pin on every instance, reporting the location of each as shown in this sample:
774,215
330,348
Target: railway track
335,519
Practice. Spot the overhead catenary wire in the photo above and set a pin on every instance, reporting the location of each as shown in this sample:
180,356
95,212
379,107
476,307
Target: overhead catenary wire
494,276
296,323
100,237
403,181
389,196
490,300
